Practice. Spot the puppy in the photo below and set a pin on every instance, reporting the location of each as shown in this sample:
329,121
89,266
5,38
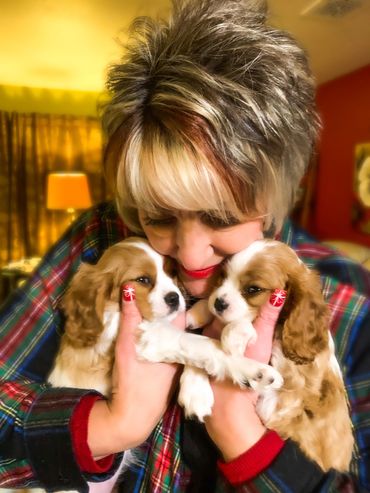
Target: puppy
311,406
92,309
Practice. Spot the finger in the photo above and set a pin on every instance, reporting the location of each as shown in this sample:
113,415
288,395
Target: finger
130,314
180,320
270,311
129,320
265,325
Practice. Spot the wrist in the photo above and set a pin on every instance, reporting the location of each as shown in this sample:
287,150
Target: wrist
112,430
235,432
253,461
245,441
104,435
79,432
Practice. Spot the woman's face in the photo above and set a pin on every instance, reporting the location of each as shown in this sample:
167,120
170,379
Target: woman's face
198,243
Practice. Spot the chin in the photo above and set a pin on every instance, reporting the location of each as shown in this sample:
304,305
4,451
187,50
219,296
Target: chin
200,288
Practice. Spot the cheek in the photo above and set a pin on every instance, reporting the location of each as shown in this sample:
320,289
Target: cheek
163,241
238,238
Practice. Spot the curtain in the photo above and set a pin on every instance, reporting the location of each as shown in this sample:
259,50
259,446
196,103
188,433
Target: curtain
31,146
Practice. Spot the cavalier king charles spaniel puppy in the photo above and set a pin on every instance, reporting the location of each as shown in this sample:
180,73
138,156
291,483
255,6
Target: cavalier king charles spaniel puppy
311,406
92,309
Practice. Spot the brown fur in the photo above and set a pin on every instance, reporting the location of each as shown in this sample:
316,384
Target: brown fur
94,285
311,405
312,410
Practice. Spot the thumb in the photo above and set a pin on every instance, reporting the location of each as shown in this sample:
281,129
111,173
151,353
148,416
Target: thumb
264,325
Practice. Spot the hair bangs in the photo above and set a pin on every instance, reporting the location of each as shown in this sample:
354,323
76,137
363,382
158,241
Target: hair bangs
175,176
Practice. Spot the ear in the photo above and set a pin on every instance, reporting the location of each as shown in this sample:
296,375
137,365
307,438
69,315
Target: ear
83,305
305,330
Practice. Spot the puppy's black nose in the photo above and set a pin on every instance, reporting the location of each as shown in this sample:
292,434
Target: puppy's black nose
220,305
172,299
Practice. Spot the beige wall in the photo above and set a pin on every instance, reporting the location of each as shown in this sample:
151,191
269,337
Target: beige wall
51,101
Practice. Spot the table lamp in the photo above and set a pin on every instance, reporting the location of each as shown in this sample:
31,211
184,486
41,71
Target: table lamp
68,191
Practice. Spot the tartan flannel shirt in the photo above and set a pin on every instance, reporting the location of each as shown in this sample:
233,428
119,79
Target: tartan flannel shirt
35,441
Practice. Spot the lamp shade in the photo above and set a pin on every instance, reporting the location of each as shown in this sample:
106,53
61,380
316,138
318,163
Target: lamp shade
68,191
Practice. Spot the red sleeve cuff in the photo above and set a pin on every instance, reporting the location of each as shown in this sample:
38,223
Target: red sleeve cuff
79,424
254,460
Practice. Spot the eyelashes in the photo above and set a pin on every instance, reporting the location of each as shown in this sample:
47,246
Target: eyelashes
159,221
208,219
215,221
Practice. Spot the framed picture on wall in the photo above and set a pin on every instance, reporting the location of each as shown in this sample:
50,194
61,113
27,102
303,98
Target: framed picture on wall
361,207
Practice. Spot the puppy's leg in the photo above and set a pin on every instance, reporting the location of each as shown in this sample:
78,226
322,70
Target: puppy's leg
236,336
161,342
198,315
195,394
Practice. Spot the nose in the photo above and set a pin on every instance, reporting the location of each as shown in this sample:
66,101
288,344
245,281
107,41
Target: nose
172,299
193,243
220,305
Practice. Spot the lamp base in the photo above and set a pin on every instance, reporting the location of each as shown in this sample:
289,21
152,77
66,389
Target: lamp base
72,214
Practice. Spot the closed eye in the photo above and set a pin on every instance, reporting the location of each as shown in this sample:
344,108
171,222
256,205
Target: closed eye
146,280
160,221
215,222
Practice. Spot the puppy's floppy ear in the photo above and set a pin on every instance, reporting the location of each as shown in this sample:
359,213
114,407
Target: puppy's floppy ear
83,305
305,330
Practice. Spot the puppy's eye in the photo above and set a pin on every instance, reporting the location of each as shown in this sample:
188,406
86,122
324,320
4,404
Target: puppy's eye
144,280
252,290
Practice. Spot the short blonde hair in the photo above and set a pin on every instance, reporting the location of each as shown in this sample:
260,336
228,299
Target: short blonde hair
210,110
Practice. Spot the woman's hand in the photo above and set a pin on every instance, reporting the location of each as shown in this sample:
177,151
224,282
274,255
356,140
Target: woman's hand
141,392
234,425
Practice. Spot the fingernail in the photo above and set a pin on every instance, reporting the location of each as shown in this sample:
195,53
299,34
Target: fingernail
277,297
128,293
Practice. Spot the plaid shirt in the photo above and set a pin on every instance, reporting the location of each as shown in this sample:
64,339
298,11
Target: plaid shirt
35,441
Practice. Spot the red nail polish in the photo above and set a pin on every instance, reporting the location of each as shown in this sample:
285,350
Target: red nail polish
277,297
128,293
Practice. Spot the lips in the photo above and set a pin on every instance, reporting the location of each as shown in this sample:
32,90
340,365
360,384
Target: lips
201,273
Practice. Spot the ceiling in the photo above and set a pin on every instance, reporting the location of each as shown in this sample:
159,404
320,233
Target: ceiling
67,44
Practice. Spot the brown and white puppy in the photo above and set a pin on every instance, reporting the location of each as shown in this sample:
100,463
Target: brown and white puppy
311,406
92,309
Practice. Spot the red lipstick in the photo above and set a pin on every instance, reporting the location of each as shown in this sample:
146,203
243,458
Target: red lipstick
201,273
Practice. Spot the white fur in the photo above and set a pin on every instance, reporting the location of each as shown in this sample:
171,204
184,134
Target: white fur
164,285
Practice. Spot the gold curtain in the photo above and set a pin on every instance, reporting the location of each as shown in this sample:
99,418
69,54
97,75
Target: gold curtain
31,146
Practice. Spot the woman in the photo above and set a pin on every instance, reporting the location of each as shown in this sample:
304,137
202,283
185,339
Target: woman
210,128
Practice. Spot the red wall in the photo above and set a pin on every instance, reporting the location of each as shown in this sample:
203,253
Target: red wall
345,109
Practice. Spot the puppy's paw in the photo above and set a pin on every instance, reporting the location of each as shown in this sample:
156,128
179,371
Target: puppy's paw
198,315
245,371
237,335
195,394
266,377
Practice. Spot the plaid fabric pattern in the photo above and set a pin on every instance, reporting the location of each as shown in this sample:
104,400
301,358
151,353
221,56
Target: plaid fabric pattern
34,435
